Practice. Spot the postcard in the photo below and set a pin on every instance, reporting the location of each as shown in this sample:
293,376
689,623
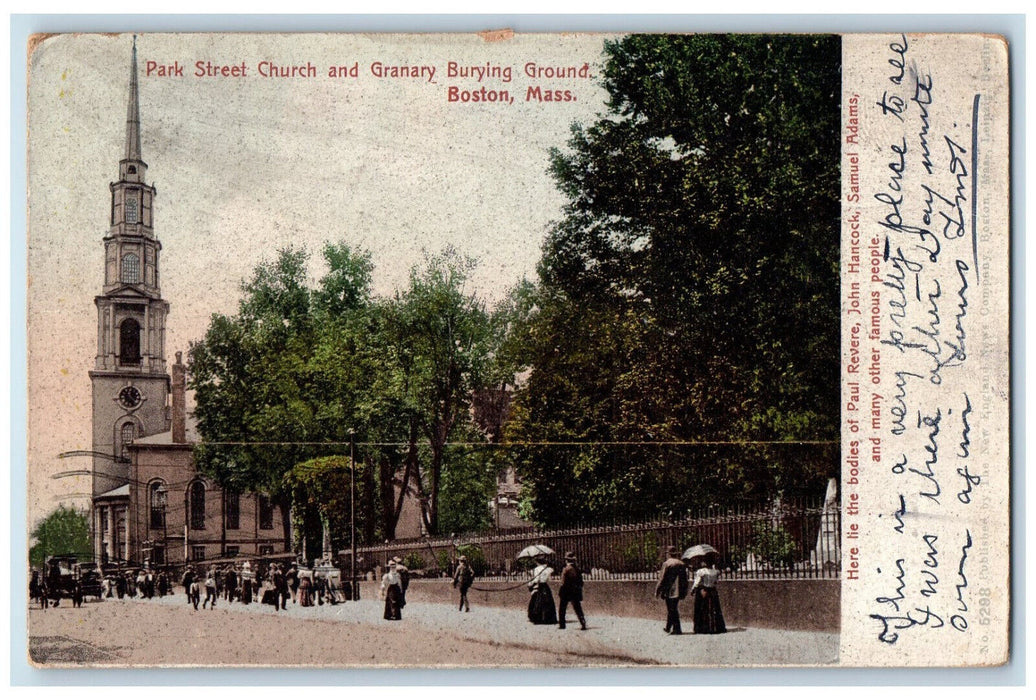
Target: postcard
518,350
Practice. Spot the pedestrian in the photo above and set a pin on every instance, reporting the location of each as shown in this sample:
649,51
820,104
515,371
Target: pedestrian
571,591
35,587
305,591
404,578
280,585
120,585
186,580
194,593
392,592
672,587
77,593
230,581
292,578
708,617
210,589
163,585
463,577
246,586
541,600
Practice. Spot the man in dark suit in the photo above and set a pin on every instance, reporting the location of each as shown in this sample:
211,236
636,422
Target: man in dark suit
672,587
571,591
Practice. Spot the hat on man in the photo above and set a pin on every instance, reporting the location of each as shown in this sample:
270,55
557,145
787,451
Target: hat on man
570,556
462,558
672,551
397,560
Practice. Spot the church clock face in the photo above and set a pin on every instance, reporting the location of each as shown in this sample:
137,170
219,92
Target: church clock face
129,397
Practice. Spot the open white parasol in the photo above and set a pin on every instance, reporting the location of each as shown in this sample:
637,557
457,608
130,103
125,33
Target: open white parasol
699,550
534,550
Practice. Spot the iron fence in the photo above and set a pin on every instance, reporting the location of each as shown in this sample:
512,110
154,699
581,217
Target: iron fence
793,539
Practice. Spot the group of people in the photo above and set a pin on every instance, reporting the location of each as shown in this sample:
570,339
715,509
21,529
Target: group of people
285,582
275,587
541,601
394,585
675,584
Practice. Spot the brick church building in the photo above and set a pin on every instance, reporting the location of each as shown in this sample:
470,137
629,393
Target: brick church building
149,503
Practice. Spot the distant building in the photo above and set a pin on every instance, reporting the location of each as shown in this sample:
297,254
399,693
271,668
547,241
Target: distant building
149,501
491,409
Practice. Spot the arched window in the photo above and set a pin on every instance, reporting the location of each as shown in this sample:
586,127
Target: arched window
129,342
157,499
127,432
197,506
130,268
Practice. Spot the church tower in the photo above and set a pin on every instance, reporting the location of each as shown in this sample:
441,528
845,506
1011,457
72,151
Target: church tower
130,381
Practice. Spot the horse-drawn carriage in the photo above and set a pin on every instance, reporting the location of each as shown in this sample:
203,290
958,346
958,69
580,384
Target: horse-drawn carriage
65,577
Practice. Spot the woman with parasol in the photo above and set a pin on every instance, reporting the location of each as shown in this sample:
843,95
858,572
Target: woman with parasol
708,617
541,600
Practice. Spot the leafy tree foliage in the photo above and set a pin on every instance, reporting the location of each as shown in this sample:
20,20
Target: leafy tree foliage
689,293
65,531
283,386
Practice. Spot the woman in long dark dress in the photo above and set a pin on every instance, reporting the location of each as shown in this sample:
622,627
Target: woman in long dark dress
708,617
541,600
392,591
305,591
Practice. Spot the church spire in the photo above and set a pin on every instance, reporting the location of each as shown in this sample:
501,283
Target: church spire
133,112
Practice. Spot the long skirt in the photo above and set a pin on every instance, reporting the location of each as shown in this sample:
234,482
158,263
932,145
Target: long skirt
708,617
541,606
393,596
305,594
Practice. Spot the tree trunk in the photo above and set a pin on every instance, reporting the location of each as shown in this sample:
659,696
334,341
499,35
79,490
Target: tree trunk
284,504
386,475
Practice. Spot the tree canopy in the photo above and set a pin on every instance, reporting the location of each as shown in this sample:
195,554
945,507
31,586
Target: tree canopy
285,384
689,293
65,531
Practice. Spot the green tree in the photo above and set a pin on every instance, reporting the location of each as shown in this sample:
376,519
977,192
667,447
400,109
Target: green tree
253,407
285,384
65,531
442,341
689,293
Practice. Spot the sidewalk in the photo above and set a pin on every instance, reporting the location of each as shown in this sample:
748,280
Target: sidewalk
620,640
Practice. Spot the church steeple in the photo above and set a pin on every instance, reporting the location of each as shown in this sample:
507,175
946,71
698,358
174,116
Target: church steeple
133,124
131,321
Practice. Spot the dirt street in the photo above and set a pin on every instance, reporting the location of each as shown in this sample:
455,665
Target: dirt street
169,632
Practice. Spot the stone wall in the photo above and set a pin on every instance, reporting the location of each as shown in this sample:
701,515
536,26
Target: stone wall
809,604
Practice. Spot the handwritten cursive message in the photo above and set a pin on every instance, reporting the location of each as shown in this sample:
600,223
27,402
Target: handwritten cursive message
918,493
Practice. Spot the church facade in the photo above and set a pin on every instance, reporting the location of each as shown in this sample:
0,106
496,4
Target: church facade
150,504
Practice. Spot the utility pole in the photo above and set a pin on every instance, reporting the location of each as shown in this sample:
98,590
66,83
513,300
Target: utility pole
352,514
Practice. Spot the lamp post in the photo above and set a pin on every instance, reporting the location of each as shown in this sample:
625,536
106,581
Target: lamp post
352,515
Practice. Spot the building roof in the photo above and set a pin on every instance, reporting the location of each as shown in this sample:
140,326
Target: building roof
119,492
166,438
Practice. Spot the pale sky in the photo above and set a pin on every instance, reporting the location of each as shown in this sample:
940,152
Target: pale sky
246,165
